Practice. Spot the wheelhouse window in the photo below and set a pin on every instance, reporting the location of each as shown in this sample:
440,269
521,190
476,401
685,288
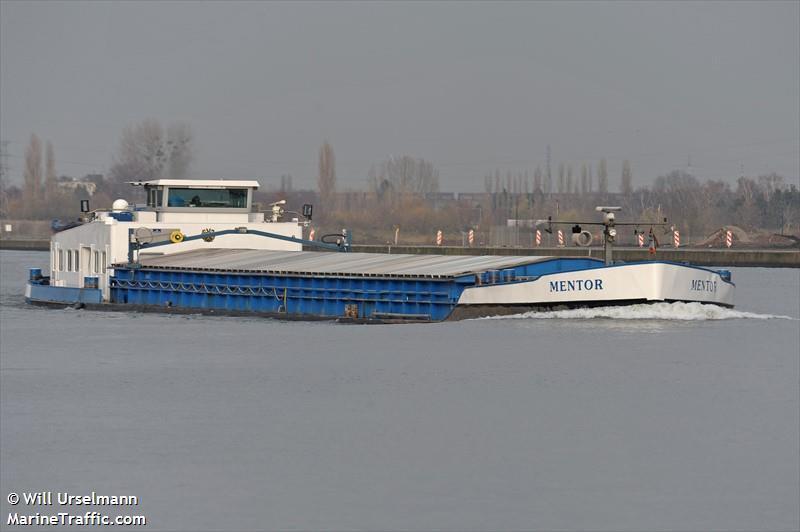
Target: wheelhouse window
61,260
227,198
154,196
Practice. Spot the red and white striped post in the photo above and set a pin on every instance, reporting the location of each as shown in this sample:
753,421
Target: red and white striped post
728,238
676,238
471,237
560,238
311,234
640,238
439,238
538,237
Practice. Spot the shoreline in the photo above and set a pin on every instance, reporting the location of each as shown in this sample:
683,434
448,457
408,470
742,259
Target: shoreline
767,258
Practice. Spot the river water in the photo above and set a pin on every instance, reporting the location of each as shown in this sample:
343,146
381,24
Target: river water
663,417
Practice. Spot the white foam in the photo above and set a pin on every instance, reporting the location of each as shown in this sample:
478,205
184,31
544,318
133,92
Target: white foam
653,311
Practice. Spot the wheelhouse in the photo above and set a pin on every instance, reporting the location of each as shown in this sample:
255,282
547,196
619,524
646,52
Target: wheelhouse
186,195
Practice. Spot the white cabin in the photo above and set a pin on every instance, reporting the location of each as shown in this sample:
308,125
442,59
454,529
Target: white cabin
187,205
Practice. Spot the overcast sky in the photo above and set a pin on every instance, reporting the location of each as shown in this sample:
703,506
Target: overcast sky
469,86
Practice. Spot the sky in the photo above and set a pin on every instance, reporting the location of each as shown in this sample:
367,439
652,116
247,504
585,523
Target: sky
471,87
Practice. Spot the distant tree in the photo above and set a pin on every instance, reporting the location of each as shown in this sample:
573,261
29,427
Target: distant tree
326,180
50,182
584,179
141,155
770,183
548,174
602,177
626,186
681,196
407,175
179,150
570,188
286,183
33,174
147,152
537,180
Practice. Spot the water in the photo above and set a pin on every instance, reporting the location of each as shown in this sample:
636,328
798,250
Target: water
665,417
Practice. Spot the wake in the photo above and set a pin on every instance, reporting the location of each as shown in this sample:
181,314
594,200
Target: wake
655,311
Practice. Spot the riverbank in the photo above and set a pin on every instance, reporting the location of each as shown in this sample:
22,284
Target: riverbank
767,258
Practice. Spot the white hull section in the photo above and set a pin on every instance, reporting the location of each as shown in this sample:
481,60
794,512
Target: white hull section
647,281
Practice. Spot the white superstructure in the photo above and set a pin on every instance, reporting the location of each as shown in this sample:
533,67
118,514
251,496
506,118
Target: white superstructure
185,205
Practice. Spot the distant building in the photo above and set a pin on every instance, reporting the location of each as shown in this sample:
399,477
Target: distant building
475,197
71,184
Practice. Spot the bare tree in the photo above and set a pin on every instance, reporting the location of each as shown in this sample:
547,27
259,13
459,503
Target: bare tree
602,177
50,182
147,152
326,181
142,153
179,150
407,175
584,179
33,174
561,178
626,186
548,182
569,179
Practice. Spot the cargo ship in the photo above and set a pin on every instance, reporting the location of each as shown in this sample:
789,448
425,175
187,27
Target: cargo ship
200,246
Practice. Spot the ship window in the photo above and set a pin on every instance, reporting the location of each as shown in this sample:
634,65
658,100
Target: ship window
226,198
69,260
77,265
154,196
103,262
96,262
61,260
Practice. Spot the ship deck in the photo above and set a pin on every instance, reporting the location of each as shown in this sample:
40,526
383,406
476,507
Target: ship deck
334,264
